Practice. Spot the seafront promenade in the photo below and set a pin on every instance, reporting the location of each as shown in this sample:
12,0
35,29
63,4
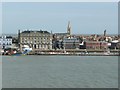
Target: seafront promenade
75,52
67,52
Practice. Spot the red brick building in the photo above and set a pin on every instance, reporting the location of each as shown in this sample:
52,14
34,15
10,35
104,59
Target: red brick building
96,45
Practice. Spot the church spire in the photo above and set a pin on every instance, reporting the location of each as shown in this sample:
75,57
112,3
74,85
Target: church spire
105,32
69,28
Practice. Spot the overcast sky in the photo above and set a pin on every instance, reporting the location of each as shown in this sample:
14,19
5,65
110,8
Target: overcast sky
85,17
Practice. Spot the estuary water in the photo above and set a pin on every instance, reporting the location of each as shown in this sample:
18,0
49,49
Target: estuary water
59,71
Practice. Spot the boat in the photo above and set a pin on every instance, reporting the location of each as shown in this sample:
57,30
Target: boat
26,50
10,51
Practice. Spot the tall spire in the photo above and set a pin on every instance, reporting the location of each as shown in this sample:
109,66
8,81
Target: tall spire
69,28
104,32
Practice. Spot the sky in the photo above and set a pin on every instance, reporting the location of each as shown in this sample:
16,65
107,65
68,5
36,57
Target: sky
0,17
85,17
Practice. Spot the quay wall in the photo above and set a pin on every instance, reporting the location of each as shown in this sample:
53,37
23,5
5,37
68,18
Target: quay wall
76,50
73,52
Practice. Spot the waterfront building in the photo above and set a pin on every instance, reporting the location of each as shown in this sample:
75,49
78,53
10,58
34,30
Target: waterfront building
57,44
5,41
95,45
71,43
36,39
115,44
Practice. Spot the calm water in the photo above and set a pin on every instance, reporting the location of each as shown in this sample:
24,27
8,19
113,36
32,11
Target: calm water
60,72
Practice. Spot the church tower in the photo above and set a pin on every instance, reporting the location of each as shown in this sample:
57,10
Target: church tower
69,28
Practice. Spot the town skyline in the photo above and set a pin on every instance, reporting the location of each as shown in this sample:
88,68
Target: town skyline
85,18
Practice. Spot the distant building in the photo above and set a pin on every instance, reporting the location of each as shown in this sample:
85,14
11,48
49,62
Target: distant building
36,39
5,41
60,35
114,44
15,42
57,44
94,45
71,43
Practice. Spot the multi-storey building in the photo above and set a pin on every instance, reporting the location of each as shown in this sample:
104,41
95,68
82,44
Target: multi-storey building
35,39
5,41
94,45
71,43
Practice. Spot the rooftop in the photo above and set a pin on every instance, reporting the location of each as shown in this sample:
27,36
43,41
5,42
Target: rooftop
35,31
5,36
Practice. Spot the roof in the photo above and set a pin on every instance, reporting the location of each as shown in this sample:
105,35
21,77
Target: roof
6,37
60,33
36,32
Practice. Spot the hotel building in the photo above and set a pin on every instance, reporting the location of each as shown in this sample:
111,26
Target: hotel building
35,39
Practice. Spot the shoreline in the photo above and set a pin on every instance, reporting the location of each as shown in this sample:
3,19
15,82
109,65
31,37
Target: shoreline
66,55
74,54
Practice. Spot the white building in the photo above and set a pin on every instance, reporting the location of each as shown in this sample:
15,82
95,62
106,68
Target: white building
5,41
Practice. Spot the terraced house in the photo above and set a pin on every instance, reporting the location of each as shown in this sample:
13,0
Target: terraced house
35,39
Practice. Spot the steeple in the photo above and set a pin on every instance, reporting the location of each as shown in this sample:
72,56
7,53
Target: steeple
104,32
69,28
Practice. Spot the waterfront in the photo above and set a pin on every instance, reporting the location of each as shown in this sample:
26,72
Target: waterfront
60,71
